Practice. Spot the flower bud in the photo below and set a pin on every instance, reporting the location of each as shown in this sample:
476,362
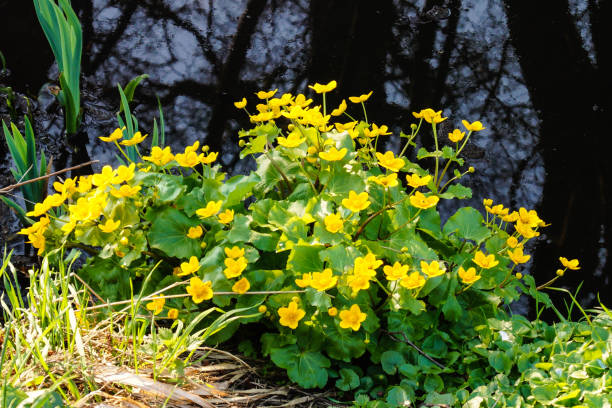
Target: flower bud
295,299
560,272
404,249
205,148
519,275
413,126
332,311
203,245
262,309
290,126
241,143
471,169
123,241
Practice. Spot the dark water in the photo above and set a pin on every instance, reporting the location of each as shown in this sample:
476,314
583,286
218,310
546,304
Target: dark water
537,74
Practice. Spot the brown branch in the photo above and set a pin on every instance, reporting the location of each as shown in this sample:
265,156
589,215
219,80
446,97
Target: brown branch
14,186
414,346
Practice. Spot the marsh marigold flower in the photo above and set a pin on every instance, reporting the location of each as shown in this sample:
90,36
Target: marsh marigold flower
226,216
485,261
210,158
116,135
137,138
332,311
234,252
212,207
573,264
320,88
234,267
292,140
468,276
387,181
415,181
474,126
419,200
157,304
290,315
194,232
241,103
333,222
517,256
190,267
199,290
456,135
125,191
266,95
159,156
305,281
340,109
173,313
429,115
358,281
356,202
432,269
389,161
413,281
360,98
512,242
352,318
109,226
322,281
395,272
333,154
241,286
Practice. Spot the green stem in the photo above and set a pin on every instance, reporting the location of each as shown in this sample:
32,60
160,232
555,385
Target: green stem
435,133
365,115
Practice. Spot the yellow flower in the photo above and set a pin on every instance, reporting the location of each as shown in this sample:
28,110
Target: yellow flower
360,98
241,104
352,318
173,313
341,127
432,269
292,140
104,178
234,267
333,223
157,304
305,281
234,252
189,159
340,109
85,183
512,242
212,208
413,281
525,230
226,216
54,200
468,276
194,232
419,200
199,290
109,226
474,126
530,218
190,267
160,156
512,217
210,158
368,262
319,88
358,281
332,311
323,280
291,315
356,202
266,95
485,261
241,286
456,136
430,116
333,154
262,309
517,256
415,181
137,138
389,180
573,264
487,202
389,161
125,191
395,272
37,239
116,135
123,173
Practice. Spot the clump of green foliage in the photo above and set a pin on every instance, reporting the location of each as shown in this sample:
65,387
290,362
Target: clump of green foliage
339,251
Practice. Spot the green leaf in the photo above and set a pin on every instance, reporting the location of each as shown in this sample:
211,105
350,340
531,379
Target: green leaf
342,182
348,380
343,344
545,393
467,223
391,360
318,299
168,233
307,368
240,231
305,258
169,188
130,88
398,397
457,191
433,383
452,309
238,188
500,361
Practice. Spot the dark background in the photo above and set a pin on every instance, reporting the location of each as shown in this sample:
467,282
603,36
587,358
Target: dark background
537,74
